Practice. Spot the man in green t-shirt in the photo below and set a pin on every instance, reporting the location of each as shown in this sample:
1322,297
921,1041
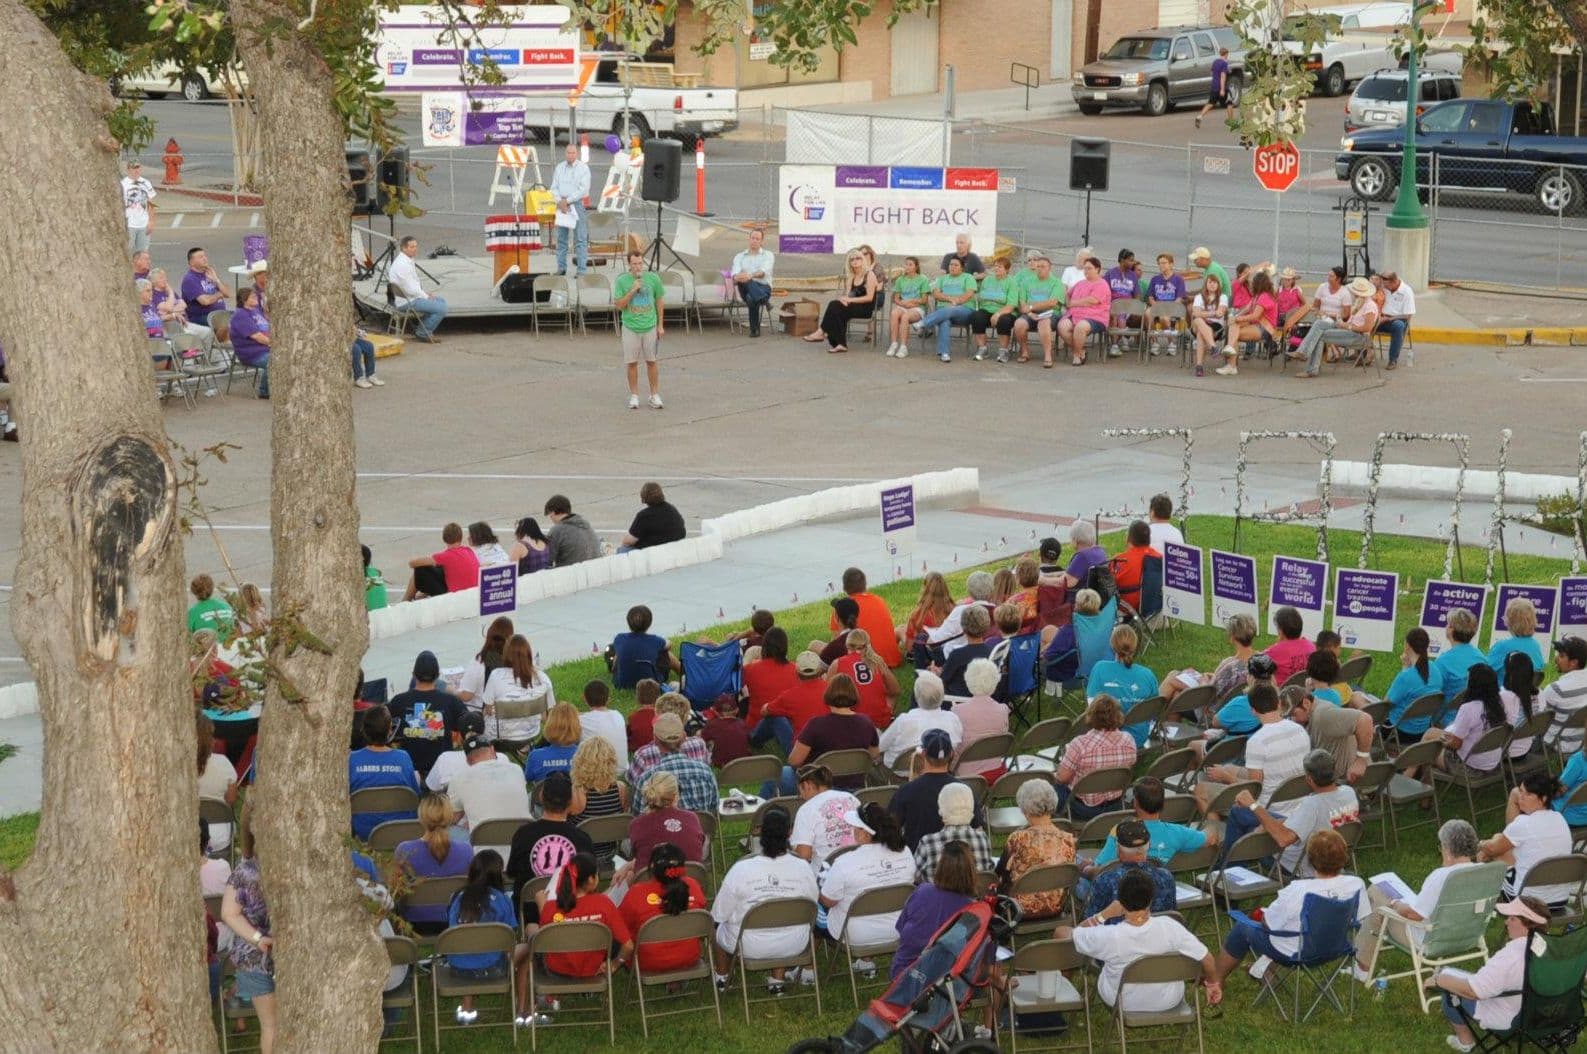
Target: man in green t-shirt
638,297
1201,258
1040,296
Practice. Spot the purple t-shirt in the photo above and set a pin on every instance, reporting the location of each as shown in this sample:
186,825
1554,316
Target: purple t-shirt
1082,562
924,913
1220,75
152,325
418,859
246,322
1165,290
1123,283
195,285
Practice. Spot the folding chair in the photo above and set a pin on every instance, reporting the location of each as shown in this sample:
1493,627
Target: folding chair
1039,741
1223,801
514,710
883,901
1427,707
666,929
1292,789
1021,659
234,1010
402,951
387,836
1576,797
1251,849
1225,750
383,799
872,321
1102,781
1353,671
710,670
1372,796
1172,766
1173,312
692,294
1182,721
1577,723
1454,933
781,913
574,935
1095,831
608,830
555,296
675,295
789,803
991,748
474,938
397,318
1295,680
1568,870
1002,819
1121,329
1049,957
1147,712
1405,789
1551,1016
1161,969
749,772
1190,896
199,365
1048,878
430,893
853,762
1327,951
595,301
882,796
1536,757
1493,739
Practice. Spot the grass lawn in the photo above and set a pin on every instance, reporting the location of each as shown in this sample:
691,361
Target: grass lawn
1391,1024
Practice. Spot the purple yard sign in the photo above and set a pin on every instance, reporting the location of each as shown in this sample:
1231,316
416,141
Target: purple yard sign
1233,586
898,519
1364,608
1184,594
1570,613
1440,599
1300,584
498,590
1542,598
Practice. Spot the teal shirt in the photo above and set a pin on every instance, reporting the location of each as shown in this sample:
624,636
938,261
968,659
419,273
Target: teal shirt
1036,290
947,285
995,292
911,286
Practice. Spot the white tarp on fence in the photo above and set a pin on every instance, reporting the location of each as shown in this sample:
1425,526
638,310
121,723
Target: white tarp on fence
858,139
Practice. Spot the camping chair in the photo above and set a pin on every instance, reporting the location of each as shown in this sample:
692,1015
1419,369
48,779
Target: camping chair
1493,739
387,836
1327,951
1054,958
1148,610
555,296
401,951
1162,969
1567,870
595,302
1454,933
1551,1017
1021,658
690,925
781,913
990,748
882,900
710,670
573,935
469,939
1047,878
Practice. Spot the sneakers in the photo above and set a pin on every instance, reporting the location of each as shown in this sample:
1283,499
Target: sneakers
633,402
466,1017
1200,370
655,401
914,327
774,986
1456,1044
532,1020
376,381
903,351
1114,351
1228,370
721,980
1002,357
945,357
1359,974
892,349
865,967
803,975
362,383
980,354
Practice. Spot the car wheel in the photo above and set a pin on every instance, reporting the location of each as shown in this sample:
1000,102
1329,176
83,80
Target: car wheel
1372,179
1157,99
1236,89
1090,109
637,125
194,89
1334,81
1559,192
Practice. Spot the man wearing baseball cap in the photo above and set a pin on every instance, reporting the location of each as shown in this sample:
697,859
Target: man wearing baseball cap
1565,696
137,201
797,705
1491,997
697,788
1133,841
1201,259
914,805
490,788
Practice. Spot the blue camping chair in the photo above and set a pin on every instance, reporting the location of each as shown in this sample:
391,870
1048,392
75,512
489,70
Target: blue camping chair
1327,951
1093,642
1020,656
1151,601
710,670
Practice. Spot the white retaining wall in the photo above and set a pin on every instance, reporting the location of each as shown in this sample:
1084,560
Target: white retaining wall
1439,481
840,501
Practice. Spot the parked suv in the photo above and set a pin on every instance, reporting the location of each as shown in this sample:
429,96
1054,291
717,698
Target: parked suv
1379,100
1156,68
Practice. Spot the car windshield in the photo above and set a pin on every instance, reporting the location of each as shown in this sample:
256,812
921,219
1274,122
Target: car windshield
1382,89
1138,48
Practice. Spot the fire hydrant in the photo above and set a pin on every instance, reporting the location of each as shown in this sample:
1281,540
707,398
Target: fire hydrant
173,163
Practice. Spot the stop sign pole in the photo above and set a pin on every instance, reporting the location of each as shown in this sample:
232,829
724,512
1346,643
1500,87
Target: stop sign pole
1277,167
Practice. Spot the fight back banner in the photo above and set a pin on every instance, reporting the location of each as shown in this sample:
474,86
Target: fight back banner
830,208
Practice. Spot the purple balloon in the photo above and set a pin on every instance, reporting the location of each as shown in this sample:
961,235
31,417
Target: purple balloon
613,144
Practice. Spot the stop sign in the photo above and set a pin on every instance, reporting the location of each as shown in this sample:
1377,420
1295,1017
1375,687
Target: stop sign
1277,167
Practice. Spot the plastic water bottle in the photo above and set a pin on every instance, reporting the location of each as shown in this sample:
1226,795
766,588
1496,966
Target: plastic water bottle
1380,988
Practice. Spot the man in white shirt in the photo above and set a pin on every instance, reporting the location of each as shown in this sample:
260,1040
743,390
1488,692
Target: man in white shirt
408,293
453,763
570,185
491,788
1139,935
1162,522
1568,694
1274,753
752,275
137,200
1399,305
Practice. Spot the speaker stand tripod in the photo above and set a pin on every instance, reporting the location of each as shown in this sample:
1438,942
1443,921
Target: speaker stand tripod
381,268
653,250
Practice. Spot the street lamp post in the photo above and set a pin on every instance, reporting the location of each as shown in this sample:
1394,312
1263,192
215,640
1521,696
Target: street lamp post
1407,240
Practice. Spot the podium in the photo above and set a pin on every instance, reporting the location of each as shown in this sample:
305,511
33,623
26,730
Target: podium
510,238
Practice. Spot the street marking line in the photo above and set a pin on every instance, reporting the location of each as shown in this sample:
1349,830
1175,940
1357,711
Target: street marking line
599,476
214,221
1552,380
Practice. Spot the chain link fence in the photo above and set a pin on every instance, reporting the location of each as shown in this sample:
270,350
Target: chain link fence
1477,205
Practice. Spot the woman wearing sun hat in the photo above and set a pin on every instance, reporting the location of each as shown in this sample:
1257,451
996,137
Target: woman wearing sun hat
1356,332
1491,997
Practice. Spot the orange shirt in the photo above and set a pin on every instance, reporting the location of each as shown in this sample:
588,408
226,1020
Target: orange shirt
877,620
1128,569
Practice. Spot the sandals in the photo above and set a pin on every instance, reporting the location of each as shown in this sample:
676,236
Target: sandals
811,338
839,350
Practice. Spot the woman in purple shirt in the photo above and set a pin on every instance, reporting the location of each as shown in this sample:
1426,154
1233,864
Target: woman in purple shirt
250,336
952,887
153,325
435,854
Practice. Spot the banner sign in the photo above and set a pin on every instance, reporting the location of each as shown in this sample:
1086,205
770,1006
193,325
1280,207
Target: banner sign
1543,599
1302,585
1233,586
899,209
452,119
498,590
1570,611
1364,608
535,47
1184,595
1439,600
898,519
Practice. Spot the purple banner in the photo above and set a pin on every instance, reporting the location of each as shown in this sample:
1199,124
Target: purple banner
1439,600
1542,598
1184,592
498,590
1364,608
1572,614
436,56
485,128
860,176
898,508
1233,577
1300,584
804,243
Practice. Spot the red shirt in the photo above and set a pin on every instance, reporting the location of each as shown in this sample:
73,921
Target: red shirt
729,739
593,906
641,728
1290,656
642,904
877,620
765,680
460,567
799,704
872,686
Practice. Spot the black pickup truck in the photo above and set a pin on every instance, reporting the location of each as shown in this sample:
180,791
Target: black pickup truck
1482,146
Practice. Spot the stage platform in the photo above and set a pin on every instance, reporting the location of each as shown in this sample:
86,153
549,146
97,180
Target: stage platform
464,282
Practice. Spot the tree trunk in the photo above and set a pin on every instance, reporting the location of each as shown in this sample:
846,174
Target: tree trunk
330,967
100,932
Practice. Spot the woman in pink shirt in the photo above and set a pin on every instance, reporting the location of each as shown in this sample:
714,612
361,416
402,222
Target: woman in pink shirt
1089,300
982,716
1257,321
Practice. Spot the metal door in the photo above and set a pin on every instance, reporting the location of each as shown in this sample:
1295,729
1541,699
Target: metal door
915,53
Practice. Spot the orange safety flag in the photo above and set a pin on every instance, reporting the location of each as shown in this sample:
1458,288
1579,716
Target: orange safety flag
586,73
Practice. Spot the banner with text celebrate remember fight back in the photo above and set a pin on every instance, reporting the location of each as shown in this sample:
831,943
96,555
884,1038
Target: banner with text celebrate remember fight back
831,209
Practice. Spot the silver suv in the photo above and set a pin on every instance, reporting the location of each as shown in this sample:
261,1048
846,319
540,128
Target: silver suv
1379,100
1156,68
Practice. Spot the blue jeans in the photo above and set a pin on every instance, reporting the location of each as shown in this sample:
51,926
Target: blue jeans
1395,328
787,783
263,366
580,235
757,295
431,310
364,355
778,728
952,316
1247,938
1241,822
1453,1004
1080,810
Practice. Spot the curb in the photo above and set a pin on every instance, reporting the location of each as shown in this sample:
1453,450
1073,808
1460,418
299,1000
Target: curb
1513,337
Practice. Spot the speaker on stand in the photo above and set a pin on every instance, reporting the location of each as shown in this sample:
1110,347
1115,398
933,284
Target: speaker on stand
390,184
659,182
1088,171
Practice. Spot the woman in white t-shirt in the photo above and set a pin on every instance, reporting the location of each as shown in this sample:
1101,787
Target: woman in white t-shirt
1209,315
878,859
774,874
1333,301
516,681
486,546
820,828
1533,831
216,779
1457,845
482,665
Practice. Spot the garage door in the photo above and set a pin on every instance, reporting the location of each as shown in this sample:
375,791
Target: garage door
1176,12
915,53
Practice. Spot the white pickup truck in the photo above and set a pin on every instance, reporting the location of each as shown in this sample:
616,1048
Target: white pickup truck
682,113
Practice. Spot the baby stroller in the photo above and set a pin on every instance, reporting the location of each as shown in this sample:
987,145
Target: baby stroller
923,1006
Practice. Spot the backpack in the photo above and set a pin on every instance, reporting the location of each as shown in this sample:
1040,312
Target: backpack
1101,578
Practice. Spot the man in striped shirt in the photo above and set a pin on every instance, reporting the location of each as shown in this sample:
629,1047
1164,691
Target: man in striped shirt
1568,694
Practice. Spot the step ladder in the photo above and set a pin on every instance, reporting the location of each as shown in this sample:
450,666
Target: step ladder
513,165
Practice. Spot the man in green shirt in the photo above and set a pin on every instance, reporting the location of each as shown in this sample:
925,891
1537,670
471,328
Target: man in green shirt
1201,258
1040,297
638,297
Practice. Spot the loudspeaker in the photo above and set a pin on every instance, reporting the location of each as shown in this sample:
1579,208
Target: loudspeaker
663,170
1088,164
393,177
362,191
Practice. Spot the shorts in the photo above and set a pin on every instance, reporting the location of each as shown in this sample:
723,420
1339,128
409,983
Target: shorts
481,973
431,581
639,347
251,984
1031,320
1217,99
1095,326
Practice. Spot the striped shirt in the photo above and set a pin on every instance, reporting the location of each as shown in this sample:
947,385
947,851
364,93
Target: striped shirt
1565,697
